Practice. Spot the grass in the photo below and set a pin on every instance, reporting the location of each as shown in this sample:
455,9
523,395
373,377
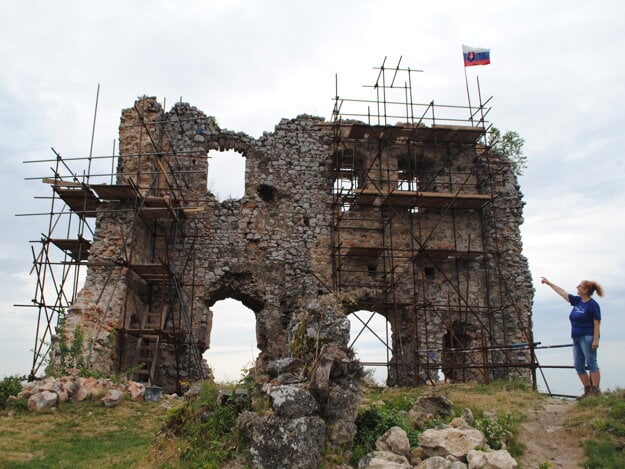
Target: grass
77,433
207,428
600,421
146,435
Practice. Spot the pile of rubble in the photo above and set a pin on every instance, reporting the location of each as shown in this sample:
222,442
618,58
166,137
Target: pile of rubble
51,391
454,446
457,446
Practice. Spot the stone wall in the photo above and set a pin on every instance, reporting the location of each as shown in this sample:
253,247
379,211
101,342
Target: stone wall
447,274
287,240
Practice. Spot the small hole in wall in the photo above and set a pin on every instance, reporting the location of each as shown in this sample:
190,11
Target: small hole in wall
226,174
267,193
430,273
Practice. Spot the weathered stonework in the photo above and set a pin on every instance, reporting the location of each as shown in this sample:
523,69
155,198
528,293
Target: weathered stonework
427,235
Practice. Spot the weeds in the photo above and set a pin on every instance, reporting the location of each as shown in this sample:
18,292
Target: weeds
70,356
208,425
374,420
545,465
202,432
9,386
499,430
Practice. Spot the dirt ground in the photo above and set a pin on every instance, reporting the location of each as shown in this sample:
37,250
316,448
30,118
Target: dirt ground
547,440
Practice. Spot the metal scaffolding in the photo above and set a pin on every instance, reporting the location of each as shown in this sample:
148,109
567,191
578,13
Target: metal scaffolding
389,205
382,186
155,207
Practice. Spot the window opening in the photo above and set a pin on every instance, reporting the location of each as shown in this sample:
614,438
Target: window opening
344,188
233,340
226,174
406,182
370,343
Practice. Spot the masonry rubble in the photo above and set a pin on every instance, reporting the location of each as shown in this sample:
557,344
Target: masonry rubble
51,391
457,446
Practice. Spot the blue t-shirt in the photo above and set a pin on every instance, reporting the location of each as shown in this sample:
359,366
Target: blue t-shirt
583,315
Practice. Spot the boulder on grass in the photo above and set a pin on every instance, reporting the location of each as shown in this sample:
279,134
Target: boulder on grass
451,441
113,398
136,390
42,400
383,460
394,440
499,459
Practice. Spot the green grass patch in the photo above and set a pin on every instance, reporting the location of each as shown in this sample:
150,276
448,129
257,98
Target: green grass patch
201,432
383,408
603,455
79,433
601,421
500,430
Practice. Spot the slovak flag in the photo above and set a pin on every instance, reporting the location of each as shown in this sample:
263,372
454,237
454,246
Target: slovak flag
475,56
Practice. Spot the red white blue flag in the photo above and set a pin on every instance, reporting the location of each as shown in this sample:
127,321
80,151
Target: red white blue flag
475,56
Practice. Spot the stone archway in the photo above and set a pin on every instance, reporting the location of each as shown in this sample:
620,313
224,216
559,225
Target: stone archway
239,291
369,339
233,345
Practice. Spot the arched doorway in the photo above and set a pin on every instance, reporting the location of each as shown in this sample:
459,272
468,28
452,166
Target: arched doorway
370,339
233,340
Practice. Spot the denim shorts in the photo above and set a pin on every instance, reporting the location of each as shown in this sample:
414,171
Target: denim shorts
584,355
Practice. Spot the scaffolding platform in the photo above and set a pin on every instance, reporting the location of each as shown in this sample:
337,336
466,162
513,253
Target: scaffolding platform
422,134
159,208
78,196
115,191
77,249
152,274
418,199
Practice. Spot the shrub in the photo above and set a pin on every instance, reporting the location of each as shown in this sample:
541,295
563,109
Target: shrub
208,425
70,356
498,430
373,422
9,386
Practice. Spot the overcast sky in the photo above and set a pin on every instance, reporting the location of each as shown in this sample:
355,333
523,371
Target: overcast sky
557,77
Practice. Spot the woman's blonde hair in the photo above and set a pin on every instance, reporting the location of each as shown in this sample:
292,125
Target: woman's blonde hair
592,287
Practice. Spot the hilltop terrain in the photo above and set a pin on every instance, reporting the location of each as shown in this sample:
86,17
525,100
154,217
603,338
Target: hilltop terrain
551,433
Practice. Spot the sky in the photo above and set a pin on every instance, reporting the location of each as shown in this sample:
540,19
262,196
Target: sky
556,77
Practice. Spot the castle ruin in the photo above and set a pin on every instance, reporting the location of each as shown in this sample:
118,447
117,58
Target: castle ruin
416,219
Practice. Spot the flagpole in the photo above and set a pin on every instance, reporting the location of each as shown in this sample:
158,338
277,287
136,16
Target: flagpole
466,82
481,108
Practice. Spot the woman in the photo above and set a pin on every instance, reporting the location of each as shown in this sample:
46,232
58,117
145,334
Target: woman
585,320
